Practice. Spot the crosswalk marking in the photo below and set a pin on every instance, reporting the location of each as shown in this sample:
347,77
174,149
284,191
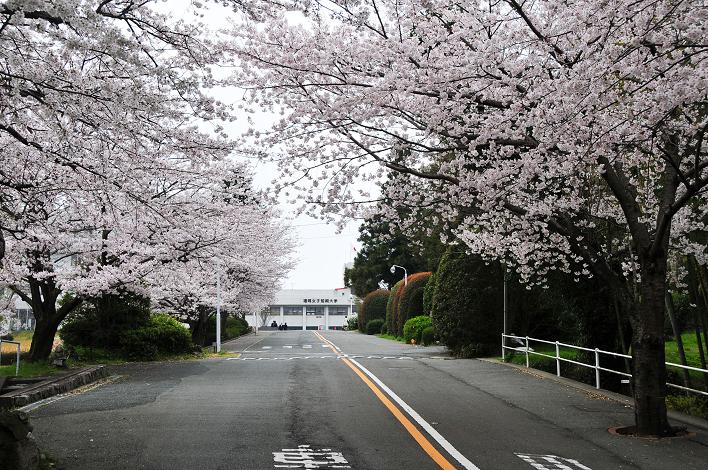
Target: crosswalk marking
325,356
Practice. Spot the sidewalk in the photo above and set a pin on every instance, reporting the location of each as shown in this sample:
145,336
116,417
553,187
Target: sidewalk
692,422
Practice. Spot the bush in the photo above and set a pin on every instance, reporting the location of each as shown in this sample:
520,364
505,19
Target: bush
100,321
410,303
428,295
235,327
384,329
468,303
353,323
374,326
392,307
163,335
414,328
427,336
373,307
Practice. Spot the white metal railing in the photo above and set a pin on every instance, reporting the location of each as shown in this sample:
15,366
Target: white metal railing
17,356
524,348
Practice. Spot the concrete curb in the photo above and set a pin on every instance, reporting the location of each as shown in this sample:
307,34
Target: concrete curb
53,386
688,420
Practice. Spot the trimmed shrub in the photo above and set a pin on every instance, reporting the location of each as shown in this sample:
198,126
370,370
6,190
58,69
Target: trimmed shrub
428,295
410,302
373,307
100,321
427,336
162,335
235,327
392,306
414,328
374,326
468,302
353,323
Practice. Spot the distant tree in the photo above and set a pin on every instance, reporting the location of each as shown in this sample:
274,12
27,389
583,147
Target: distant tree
384,244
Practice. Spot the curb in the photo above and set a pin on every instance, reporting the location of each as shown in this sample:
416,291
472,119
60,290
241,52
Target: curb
688,420
51,387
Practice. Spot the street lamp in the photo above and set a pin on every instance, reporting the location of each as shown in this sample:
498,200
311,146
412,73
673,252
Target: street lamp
405,273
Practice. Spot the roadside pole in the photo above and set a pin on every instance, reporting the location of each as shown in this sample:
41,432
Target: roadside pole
218,311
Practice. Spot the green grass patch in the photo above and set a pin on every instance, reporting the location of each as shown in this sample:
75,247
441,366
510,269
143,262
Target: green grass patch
391,337
30,369
541,362
690,346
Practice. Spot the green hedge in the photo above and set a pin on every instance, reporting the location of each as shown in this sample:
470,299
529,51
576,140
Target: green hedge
373,307
468,303
374,326
410,303
414,327
427,337
392,307
163,335
158,334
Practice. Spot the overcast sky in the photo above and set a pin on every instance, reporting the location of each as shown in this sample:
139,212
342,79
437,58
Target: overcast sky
321,252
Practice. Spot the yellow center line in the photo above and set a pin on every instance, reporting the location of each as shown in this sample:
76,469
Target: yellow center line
424,443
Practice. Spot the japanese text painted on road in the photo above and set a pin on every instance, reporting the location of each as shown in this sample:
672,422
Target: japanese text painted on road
305,457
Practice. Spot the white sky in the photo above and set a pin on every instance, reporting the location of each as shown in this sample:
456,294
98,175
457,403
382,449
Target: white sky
321,253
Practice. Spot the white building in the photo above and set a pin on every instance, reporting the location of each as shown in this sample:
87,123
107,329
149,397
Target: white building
309,309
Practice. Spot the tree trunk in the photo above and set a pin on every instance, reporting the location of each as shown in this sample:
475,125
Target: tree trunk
43,338
199,327
649,362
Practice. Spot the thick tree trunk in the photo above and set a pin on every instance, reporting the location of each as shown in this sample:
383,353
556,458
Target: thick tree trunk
649,362
43,339
199,327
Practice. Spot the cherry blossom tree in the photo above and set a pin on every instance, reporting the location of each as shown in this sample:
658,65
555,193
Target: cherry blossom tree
554,135
115,169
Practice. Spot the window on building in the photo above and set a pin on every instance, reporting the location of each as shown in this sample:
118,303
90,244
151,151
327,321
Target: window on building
275,311
312,310
292,310
338,310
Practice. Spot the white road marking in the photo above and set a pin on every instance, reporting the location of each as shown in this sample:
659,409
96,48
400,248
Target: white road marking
551,462
304,457
325,356
432,432
266,347
324,345
306,346
287,347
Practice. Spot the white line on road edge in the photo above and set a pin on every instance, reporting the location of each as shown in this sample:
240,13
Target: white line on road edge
432,432
456,454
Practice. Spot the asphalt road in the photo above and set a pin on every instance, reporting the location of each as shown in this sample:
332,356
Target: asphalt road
298,399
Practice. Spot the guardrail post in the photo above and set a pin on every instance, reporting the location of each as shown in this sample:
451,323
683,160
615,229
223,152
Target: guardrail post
597,368
503,357
527,351
17,362
558,362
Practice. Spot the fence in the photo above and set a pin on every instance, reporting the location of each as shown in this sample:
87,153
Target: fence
17,356
524,347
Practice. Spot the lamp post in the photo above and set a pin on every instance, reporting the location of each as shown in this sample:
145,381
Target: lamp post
405,273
